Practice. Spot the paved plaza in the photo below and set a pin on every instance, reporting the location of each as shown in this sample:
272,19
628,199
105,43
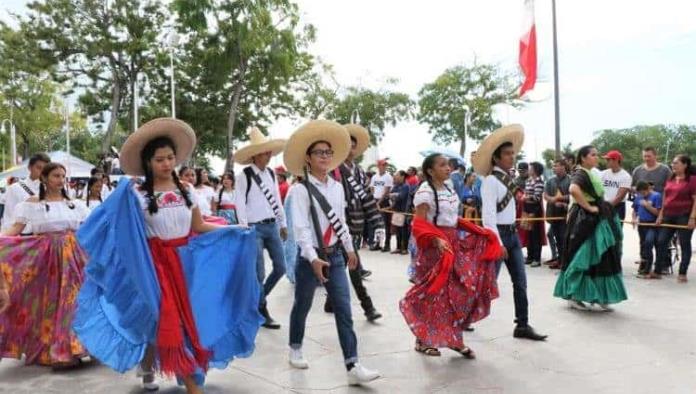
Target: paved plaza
647,345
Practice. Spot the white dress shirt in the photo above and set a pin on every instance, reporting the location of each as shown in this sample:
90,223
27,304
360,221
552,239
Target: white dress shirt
302,219
15,194
492,192
257,208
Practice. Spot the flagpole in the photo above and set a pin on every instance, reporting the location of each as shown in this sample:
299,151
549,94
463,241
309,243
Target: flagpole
555,83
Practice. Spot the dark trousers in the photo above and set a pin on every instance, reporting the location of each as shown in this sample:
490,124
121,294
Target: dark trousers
557,233
665,236
648,239
534,242
621,210
516,269
357,281
402,234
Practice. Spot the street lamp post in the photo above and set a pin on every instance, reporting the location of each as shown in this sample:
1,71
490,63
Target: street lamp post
172,41
13,136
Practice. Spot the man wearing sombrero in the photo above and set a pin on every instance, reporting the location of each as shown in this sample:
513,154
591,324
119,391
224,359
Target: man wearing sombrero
259,205
494,158
360,207
325,244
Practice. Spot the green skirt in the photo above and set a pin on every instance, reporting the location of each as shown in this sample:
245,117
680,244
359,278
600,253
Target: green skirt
593,273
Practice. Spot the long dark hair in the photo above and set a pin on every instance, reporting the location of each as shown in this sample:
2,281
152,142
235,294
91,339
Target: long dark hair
538,168
689,171
582,153
199,178
429,164
91,183
146,155
222,184
47,170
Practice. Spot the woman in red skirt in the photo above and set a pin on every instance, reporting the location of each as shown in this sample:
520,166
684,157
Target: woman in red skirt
455,279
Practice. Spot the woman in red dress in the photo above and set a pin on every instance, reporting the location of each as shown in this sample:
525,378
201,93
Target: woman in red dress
454,276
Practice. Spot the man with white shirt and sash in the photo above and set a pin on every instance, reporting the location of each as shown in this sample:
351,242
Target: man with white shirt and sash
259,206
318,213
494,159
22,190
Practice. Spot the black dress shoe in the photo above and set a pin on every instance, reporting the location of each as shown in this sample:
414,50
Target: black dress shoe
527,332
385,250
268,320
372,315
365,273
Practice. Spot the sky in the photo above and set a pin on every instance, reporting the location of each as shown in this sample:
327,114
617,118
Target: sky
621,62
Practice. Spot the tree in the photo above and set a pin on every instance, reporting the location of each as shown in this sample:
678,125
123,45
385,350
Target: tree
443,102
668,140
245,56
377,108
100,47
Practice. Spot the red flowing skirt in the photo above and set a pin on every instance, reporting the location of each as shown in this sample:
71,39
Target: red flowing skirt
437,320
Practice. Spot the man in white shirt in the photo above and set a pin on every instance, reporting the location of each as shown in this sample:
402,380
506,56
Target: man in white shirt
616,182
22,190
494,159
259,206
324,240
381,185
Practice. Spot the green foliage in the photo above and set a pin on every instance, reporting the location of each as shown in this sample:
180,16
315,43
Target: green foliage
668,140
377,109
479,87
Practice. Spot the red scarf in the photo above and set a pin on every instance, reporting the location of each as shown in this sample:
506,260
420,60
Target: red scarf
425,232
176,317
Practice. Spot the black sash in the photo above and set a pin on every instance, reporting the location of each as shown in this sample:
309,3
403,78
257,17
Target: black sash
512,189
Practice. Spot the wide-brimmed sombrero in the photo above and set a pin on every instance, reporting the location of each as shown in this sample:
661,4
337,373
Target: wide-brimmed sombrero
179,132
258,143
311,132
361,135
513,133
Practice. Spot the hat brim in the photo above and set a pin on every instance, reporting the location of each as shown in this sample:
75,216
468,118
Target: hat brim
246,154
361,135
513,134
311,132
179,132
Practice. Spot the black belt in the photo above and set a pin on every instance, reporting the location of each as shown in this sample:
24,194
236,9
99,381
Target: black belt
333,249
265,221
508,228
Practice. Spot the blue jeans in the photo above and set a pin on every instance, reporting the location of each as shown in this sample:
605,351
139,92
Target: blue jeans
339,292
665,235
515,267
268,237
648,239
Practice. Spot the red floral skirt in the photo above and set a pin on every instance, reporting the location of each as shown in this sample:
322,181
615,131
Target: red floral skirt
437,320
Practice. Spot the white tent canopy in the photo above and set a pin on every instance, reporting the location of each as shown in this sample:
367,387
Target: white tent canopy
77,168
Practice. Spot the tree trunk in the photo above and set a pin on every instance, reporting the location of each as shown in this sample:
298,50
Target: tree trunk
232,116
115,109
462,147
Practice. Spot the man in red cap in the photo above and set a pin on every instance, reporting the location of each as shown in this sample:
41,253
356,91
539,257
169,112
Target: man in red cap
283,185
616,181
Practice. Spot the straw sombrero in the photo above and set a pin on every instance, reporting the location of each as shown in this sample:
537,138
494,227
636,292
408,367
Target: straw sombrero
258,143
513,133
180,132
361,135
311,132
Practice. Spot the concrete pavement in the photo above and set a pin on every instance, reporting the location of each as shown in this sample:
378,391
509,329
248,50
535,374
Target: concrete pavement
647,345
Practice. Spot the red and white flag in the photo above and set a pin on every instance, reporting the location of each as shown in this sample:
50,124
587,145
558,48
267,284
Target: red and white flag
528,48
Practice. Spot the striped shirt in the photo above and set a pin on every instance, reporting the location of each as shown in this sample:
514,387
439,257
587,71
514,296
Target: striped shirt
534,189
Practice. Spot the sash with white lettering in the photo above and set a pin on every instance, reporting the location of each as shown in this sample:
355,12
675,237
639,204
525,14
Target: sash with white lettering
267,193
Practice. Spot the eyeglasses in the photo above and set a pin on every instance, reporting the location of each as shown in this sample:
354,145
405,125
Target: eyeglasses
322,153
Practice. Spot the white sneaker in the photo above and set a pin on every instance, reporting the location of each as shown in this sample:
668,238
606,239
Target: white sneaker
149,382
359,375
605,308
297,360
579,305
